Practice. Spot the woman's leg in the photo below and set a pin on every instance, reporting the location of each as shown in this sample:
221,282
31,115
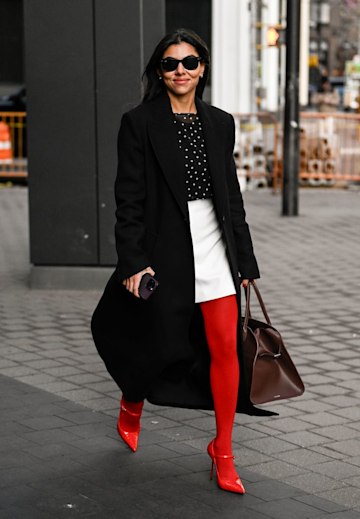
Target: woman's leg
220,319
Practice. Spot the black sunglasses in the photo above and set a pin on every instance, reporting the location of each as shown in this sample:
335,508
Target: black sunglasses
171,64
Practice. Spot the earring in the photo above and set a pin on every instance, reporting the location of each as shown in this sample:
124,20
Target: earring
160,77
201,77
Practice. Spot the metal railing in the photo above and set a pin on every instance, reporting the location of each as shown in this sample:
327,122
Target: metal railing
15,165
329,149
256,149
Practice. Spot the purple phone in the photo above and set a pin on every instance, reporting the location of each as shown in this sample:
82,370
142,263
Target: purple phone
147,286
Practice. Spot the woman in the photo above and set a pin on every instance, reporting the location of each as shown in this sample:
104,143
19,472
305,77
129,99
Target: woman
180,218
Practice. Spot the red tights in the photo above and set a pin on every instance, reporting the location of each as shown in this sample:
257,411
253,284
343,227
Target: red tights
220,318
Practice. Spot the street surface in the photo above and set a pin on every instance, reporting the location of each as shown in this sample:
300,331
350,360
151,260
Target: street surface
60,454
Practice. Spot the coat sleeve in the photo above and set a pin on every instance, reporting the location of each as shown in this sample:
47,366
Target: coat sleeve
247,263
130,192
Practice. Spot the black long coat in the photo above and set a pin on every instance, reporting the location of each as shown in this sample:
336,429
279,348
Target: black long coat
157,348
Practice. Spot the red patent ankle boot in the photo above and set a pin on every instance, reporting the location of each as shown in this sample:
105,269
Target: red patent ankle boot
225,483
128,424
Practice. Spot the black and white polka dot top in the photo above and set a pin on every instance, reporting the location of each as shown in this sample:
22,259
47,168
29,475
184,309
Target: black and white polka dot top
192,144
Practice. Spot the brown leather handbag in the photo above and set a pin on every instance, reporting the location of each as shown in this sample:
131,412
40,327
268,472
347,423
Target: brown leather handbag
270,372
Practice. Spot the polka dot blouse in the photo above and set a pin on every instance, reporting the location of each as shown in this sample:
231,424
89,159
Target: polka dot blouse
191,143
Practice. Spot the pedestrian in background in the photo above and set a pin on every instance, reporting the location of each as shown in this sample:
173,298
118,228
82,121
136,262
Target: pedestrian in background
179,218
326,99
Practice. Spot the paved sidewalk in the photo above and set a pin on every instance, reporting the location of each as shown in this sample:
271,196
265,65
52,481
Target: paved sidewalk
60,454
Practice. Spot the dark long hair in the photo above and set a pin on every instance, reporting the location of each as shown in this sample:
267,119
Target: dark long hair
154,86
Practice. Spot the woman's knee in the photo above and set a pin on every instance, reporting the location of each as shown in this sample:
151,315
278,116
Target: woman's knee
223,349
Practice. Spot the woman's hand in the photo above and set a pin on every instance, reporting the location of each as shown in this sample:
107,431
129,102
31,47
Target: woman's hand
132,283
245,282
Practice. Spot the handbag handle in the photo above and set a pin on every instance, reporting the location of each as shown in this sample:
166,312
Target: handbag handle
247,308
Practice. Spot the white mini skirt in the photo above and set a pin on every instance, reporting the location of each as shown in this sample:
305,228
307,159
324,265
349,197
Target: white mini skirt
212,271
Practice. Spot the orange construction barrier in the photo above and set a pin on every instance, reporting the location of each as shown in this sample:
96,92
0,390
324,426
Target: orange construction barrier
6,154
329,150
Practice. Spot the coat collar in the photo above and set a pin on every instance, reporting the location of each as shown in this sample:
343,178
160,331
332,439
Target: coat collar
163,138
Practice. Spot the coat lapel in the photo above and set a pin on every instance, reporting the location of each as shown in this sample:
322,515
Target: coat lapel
215,150
164,141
